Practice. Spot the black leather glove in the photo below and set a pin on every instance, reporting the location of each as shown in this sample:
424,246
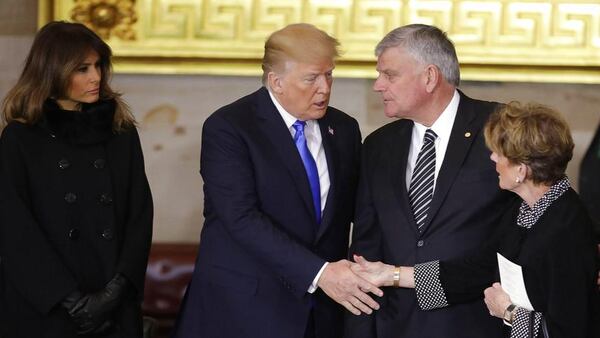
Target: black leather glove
92,312
69,303
105,327
71,299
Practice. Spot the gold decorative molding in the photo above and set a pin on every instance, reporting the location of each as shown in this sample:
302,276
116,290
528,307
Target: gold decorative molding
496,40
107,17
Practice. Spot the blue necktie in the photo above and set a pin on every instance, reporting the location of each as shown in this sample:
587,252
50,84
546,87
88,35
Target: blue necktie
309,165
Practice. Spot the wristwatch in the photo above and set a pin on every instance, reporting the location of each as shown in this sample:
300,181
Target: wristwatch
509,314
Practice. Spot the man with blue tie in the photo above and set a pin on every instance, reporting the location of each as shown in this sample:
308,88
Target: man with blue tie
280,169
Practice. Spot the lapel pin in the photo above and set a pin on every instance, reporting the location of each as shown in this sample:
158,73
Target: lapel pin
468,134
330,130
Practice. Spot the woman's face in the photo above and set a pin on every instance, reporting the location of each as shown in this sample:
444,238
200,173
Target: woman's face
507,172
84,86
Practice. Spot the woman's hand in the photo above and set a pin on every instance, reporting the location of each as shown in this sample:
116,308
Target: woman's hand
377,273
496,300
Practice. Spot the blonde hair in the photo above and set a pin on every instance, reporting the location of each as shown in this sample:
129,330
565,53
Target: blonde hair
532,134
300,42
58,50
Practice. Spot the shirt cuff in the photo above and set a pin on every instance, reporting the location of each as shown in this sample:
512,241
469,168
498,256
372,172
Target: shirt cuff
430,294
313,287
520,326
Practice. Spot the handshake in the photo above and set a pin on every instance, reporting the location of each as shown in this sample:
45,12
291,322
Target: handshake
92,312
350,283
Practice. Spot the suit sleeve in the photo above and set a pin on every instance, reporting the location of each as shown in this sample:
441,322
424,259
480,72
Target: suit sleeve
138,228
230,188
367,242
29,262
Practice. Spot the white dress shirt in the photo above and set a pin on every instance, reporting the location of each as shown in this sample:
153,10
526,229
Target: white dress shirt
442,127
312,133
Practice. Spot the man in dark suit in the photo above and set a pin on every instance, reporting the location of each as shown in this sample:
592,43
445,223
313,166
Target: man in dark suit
589,179
280,169
428,189
589,185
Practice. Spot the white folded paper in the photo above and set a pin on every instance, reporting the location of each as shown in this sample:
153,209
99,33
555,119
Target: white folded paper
511,278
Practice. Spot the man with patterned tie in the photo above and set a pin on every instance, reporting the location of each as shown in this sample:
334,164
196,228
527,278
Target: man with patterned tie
428,189
280,169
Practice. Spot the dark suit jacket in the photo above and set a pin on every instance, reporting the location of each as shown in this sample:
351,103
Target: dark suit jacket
260,246
466,204
589,181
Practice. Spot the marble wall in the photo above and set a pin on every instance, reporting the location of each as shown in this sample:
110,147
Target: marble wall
172,108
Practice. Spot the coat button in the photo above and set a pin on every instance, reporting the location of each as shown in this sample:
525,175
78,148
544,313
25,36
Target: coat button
74,234
64,163
420,243
105,199
107,234
99,163
70,197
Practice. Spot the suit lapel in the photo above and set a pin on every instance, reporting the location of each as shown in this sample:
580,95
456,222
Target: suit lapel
389,178
332,156
274,129
458,148
399,150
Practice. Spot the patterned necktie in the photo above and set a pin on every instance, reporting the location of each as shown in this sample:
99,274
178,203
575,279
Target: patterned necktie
420,193
309,165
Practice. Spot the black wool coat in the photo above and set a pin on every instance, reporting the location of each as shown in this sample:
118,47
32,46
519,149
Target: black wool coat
559,261
75,209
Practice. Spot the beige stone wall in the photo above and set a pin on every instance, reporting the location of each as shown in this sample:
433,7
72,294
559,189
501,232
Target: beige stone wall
172,108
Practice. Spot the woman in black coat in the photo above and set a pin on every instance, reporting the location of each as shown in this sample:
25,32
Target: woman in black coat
548,232
75,205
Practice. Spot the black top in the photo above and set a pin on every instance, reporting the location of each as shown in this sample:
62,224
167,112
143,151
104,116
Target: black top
558,258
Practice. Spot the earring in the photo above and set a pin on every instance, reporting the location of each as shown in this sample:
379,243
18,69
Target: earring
518,180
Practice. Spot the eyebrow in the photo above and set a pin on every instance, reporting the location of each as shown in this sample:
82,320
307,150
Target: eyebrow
387,71
319,73
85,62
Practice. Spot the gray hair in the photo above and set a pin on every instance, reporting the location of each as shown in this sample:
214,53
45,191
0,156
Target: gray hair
428,45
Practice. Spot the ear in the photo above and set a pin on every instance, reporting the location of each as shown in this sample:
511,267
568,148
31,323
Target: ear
275,82
524,171
432,77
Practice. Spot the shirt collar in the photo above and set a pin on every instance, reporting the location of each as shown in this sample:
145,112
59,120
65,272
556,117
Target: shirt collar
288,118
529,216
443,125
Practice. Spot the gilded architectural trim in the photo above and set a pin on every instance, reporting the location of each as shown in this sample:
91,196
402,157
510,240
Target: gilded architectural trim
497,40
107,17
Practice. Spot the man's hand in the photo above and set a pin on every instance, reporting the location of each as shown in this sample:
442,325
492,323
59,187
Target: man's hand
497,300
346,288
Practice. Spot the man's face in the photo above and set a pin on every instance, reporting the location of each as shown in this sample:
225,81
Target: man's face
401,83
304,88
